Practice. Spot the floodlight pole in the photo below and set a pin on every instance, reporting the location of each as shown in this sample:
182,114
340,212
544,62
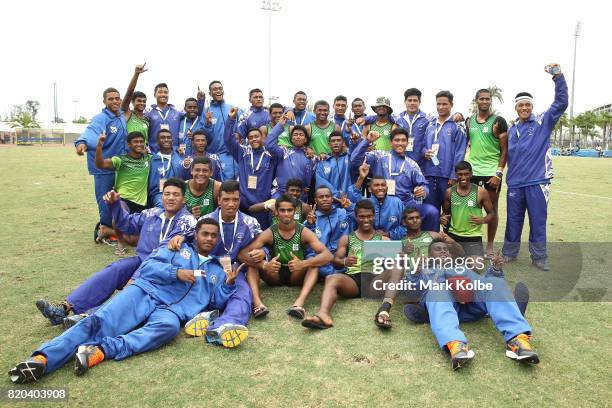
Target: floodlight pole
270,6
571,114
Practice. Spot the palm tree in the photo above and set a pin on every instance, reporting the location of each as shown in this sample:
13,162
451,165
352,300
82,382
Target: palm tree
604,121
563,122
496,93
24,120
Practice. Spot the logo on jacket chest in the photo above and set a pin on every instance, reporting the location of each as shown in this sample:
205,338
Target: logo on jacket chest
113,129
185,253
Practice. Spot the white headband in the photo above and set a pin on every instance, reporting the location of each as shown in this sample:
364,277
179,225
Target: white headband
523,98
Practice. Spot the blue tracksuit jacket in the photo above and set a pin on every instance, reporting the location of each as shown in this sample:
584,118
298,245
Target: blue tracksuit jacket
169,116
335,173
452,144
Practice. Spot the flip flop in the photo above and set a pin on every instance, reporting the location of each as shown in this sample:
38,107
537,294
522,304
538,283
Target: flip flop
296,311
260,311
313,324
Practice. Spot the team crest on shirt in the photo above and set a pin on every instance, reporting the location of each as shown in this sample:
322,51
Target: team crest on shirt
485,129
343,225
213,279
150,228
326,170
186,254
392,219
113,129
428,239
317,233
296,247
470,203
239,236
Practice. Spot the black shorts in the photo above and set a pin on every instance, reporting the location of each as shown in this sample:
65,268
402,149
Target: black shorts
481,181
284,275
471,245
364,284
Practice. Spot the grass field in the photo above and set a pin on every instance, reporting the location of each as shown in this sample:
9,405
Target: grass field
47,250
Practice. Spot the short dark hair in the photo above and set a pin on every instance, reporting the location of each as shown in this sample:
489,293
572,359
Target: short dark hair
320,103
201,132
321,187
294,183
163,131
412,92
364,204
206,221
201,160
212,83
409,210
134,135
285,198
229,186
275,105
137,95
107,91
445,94
175,182
254,90
190,100
520,94
376,178
303,129
254,129
160,85
358,100
340,98
399,131
335,133
463,165
435,241
299,93
482,90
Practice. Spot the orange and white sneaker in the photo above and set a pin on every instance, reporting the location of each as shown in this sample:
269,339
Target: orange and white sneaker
460,354
87,357
520,349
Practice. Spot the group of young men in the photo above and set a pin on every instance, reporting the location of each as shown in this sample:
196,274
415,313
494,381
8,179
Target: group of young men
216,199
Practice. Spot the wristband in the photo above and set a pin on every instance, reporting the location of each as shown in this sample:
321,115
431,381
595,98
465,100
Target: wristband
499,174
197,273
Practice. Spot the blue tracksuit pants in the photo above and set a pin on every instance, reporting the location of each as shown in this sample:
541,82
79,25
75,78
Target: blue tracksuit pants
239,305
103,183
445,313
437,190
101,286
131,323
534,200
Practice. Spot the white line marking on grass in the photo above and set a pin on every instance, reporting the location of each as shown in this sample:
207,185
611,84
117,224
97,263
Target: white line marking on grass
581,194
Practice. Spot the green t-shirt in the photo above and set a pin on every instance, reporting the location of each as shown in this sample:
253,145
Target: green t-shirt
297,216
355,246
421,246
286,247
206,200
461,209
484,147
384,141
283,139
136,124
319,139
131,177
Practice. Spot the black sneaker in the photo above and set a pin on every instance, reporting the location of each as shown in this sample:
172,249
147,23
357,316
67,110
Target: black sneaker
54,311
87,357
27,371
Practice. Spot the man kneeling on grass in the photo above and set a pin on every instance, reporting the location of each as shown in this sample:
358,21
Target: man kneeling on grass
452,293
350,255
145,315
287,242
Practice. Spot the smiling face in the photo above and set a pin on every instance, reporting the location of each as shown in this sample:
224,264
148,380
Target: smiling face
365,219
358,108
294,192
140,104
300,101
216,91
112,101
524,109
255,139
275,115
191,109
200,173
161,95
484,102
164,140
137,145
378,188
381,110
464,177
321,112
399,143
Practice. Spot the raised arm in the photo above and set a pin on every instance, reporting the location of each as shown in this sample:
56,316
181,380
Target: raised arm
101,162
271,143
559,105
228,135
127,98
